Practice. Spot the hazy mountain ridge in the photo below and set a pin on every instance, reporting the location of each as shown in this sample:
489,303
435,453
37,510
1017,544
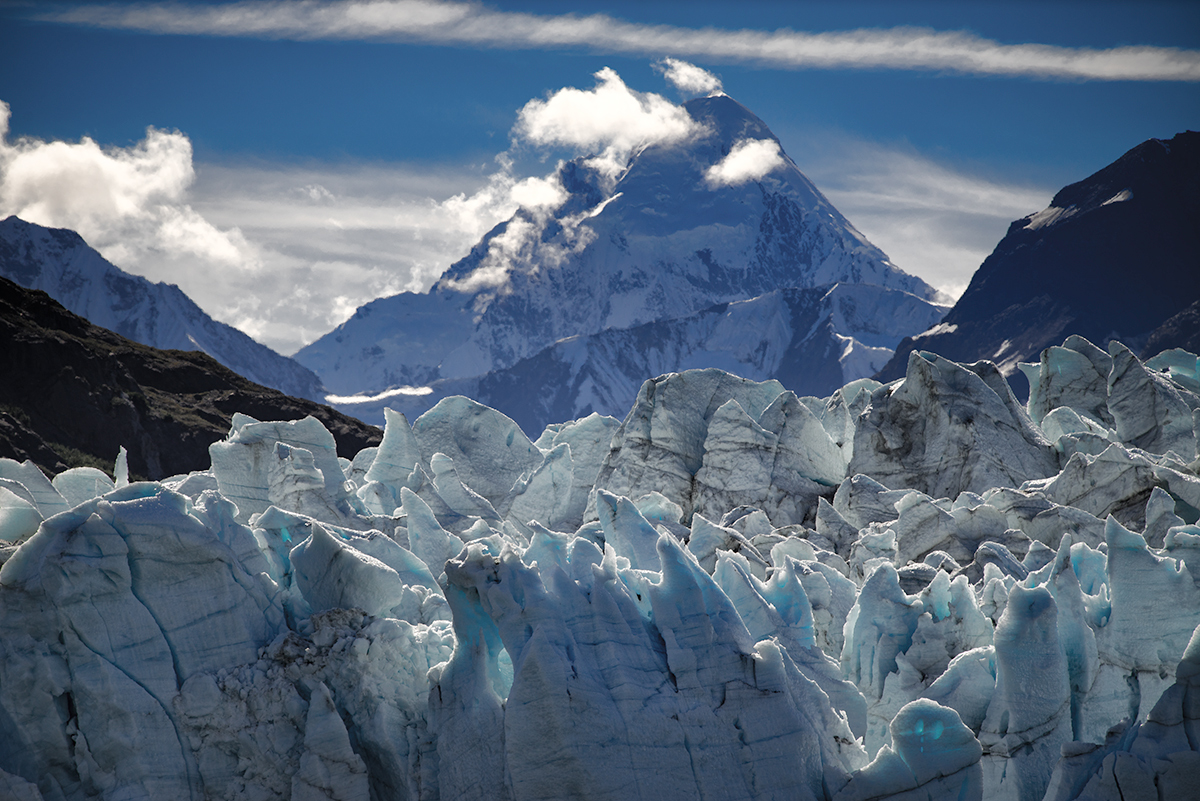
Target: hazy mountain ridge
59,262
812,340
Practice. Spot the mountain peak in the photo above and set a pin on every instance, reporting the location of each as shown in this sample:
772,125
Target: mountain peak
721,216
728,119
1149,167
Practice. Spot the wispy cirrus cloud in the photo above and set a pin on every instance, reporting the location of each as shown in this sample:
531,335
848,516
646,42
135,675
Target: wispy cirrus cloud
475,25
933,219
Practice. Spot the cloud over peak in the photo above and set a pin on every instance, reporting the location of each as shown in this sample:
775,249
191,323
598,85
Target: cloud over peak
688,78
610,120
608,115
748,160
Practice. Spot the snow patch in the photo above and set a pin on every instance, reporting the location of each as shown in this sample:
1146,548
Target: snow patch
940,328
859,360
1048,216
1120,197
391,393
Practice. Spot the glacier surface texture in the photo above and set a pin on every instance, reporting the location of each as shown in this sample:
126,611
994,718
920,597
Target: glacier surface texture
917,590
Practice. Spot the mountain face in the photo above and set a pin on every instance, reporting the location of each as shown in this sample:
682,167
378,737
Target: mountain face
659,242
1113,257
58,262
812,341
72,393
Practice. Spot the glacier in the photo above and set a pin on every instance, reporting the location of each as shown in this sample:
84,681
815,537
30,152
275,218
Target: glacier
915,590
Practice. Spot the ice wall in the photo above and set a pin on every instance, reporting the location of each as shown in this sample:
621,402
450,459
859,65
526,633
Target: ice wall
915,590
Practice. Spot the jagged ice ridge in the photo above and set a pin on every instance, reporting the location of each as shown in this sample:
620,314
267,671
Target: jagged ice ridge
917,590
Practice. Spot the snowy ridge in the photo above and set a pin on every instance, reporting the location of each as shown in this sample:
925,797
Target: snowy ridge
60,263
812,340
660,243
914,590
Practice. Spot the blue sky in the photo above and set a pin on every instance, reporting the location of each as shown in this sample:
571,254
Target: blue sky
306,157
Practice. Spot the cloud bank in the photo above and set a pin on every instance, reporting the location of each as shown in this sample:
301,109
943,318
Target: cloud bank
475,25
281,252
287,253
130,201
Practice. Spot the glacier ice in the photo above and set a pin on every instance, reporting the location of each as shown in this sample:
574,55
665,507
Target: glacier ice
1151,412
918,590
948,428
934,756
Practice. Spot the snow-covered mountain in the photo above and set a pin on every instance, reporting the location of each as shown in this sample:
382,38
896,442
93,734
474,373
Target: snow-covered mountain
58,262
811,340
1116,255
676,232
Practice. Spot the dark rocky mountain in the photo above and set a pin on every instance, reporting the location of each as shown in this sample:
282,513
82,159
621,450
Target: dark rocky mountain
72,393
1180,331
1114,256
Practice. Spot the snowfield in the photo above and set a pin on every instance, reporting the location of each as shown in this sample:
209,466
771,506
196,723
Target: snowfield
919,590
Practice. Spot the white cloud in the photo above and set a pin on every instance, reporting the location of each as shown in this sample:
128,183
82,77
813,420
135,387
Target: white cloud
610,120
128,202
475,25
688,78
539,193
284,253
523,245
748,160
934,220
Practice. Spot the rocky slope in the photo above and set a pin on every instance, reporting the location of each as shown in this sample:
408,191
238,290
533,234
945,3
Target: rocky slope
58,262
1113,257
73,393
